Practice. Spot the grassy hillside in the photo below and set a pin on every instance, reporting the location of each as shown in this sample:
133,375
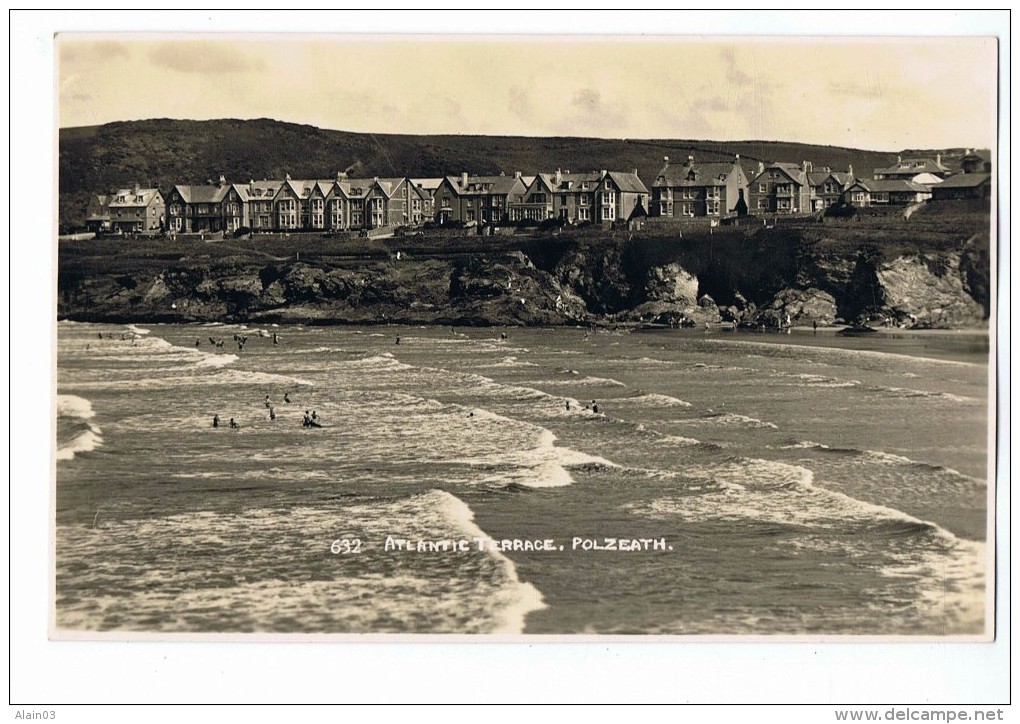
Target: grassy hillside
161,152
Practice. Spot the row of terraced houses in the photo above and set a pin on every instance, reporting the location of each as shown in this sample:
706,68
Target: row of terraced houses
684,190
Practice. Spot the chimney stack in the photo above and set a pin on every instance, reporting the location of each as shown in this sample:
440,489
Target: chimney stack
690,160
137,188
665,159
850,170
557,177
517,174
761,167
899,159
938,159
603,173
463,179
287,177
223,181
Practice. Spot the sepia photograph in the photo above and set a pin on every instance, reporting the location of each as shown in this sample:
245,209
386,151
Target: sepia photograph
489,337
580,381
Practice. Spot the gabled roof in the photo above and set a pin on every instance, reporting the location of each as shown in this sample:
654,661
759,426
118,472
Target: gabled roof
817,178
791,170
428,184
977,155
569,182
628,181
148,195
913,166
890,185
965,181
204,194
705,174
484,185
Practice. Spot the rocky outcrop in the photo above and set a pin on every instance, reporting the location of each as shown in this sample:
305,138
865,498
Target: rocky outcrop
661,282
927,291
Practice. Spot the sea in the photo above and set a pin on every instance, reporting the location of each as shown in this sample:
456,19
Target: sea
521,481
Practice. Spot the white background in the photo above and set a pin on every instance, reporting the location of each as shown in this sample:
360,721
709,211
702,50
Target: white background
46,674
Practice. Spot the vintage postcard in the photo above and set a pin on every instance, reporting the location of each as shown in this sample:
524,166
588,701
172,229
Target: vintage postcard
510,338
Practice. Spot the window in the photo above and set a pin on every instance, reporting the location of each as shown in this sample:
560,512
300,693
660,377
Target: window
687,209
687,193
763,188
763,203
139,199
584,186
712,207
584,214
584,199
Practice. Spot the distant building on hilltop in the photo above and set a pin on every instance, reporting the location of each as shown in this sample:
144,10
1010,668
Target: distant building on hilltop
976,162
690,189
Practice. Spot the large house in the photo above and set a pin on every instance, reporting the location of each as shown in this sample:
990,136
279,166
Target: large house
874,192
781,188
478,199
827,186
910,169
602,197
130,211
596,196
699,189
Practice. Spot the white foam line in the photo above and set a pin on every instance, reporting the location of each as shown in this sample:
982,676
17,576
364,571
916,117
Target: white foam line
528,598
823,350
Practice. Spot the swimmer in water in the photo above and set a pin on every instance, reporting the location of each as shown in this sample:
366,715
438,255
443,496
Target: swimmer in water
568,405
595,407
234,425
308,419
268,403
272,414
286,397
398,339
215,420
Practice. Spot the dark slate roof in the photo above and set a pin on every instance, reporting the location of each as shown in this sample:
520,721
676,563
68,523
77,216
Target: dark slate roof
706,174
628,181
965,181
907,166
484,185
891,185
201,194
817,178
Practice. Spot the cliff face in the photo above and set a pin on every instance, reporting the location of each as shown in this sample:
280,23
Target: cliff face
762,282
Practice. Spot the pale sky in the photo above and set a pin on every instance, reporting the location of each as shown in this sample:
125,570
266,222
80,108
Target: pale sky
881,94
